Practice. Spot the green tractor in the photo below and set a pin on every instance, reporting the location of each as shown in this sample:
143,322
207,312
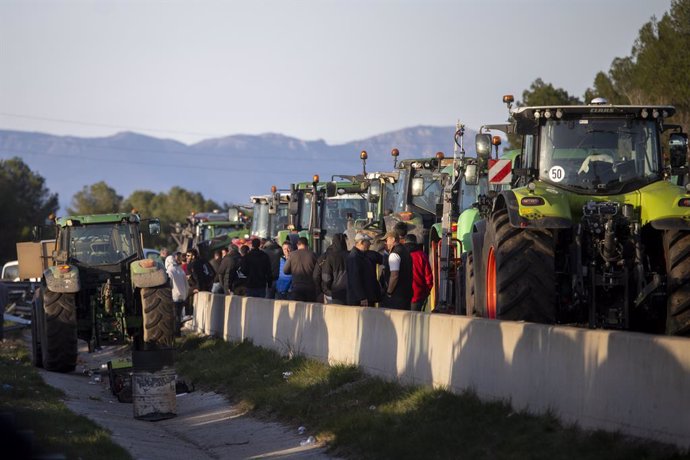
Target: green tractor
269,214
210,231
319,210
593,230
100,289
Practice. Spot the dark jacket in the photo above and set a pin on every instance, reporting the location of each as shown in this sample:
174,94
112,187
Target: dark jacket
300,265
201,275
361,278
401,297
275,253
215,263
257,267
227,270
334,272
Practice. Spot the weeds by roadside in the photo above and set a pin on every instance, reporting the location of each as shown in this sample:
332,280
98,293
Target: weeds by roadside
365,417
33,417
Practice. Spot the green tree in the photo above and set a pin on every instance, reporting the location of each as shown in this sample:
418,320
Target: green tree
26,202
98,198
541,93
658,69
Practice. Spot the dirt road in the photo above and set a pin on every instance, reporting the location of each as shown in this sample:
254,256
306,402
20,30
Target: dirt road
206,426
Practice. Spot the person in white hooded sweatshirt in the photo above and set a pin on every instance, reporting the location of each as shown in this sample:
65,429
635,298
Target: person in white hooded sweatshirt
178,283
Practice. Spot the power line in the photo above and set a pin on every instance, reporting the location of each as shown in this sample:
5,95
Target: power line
104,125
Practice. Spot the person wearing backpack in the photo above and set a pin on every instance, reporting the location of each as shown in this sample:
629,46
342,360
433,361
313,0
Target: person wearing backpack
334,274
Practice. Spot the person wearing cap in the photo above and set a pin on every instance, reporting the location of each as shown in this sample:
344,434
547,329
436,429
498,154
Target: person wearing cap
422,277
397,274
362,286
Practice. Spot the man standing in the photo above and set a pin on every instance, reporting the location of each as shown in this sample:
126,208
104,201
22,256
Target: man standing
227,271
362,287
398,274
257,268
215,263
275,253
422,277
334,277
301,265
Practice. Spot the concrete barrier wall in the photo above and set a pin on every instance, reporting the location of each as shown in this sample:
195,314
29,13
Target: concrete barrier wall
634,383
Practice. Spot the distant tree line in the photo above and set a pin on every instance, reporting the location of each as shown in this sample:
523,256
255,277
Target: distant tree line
656,72
26,203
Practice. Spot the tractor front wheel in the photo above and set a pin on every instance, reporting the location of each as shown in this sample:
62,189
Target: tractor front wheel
518,280
158,316
677,252
58,336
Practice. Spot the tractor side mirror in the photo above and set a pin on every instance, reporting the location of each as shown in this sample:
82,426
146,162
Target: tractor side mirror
678,149
471,175
417,186
331,189
154,227
482,145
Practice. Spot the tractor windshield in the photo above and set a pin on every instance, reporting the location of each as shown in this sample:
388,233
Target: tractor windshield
338,209
599,155
260,220
102,244
305,210
430,192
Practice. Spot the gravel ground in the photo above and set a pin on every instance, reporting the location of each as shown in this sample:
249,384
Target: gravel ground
207,426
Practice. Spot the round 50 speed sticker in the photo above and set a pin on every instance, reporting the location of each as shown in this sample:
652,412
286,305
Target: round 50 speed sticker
556,173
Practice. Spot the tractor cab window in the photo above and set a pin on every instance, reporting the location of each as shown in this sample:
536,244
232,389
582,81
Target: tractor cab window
432,191
340,208
101,244
390,197
279,220
305,217
260,220
599,155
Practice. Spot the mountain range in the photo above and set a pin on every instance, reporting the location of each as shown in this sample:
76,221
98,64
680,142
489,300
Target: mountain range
227,169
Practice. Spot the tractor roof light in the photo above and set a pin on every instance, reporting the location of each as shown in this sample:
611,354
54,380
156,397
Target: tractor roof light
655,113
531,187
687,187
508,99
644,113
363,155
599,101
496,140
440,155
315,178
537,114
559,113
547,114
395,153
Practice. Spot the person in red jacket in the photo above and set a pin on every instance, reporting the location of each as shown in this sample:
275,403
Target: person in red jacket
422,278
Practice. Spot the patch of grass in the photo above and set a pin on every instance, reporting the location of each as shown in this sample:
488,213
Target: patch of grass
33,415
366,417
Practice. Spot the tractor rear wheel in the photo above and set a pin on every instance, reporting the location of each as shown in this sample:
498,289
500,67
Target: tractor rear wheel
518,276
677,252
158,316
59,333
469,285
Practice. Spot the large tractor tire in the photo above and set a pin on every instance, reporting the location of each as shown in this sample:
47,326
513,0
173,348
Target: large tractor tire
37,319
518,280
59,334
469,281
677,253
158,316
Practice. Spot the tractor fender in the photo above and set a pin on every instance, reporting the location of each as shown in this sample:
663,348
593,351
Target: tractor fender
670,223
554,212
62,278
466,222
147,273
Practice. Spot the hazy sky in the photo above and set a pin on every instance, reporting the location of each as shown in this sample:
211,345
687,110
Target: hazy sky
335,70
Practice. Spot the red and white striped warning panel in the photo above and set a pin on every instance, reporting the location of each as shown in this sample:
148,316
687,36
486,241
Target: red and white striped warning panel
500,171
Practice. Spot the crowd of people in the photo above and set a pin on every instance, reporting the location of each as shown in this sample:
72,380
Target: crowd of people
399,277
